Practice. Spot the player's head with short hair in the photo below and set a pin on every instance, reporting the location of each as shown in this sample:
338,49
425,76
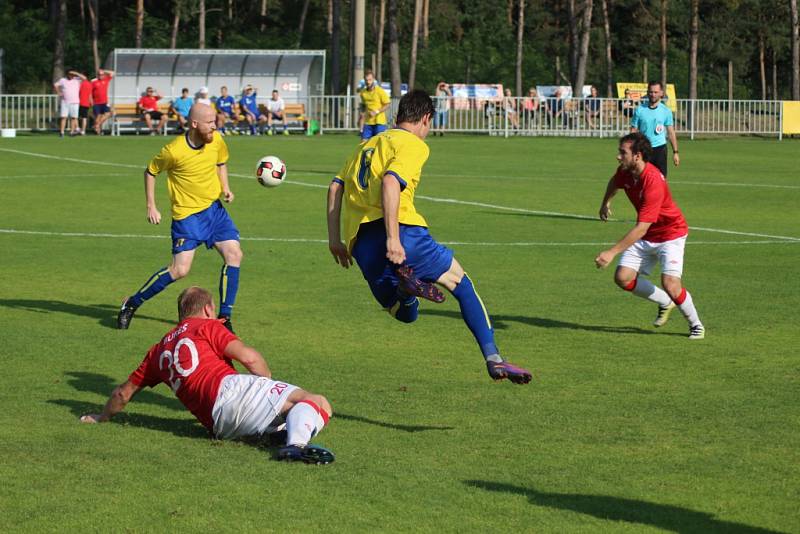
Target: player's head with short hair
655,92
191,302
274,93
369,77
415,106
185,91
639,144
203,120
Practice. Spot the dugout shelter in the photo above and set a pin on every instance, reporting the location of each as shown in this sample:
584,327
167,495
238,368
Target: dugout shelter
296,74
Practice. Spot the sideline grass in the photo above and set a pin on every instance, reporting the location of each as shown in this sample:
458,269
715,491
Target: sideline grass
624,429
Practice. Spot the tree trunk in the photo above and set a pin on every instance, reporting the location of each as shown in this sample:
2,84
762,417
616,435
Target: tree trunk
230,9
609,58
201,24
379,44
573,40
93,23
694,34
336,30
795,52
60,37
412,66
82,11
520,31
394,49
139,23
510,13
426,11
583,55
774,75
176,23
664,44
762,67
302,23
264,16
730,80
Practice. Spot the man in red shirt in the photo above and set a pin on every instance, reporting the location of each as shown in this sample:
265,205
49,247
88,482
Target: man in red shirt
100,98
85,102
659,235
148,107
195,360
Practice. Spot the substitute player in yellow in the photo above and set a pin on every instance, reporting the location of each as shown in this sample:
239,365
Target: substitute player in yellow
372,201
197,177
375,102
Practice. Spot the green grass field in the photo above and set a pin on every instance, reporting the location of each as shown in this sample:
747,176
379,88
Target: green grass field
624,429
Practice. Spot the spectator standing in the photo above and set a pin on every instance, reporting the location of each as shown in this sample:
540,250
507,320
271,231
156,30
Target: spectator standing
84,104
555,109
148,106
510,108
442,100
100,98
68,88
655,122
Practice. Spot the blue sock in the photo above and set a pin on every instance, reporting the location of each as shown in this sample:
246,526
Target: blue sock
406,311
474,314
222,129
155,285
228,287
252,129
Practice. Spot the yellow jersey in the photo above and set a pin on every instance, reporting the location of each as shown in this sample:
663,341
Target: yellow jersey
192,180
374,100
397,152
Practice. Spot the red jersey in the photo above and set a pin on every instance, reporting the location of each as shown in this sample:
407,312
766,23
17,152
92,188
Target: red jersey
85,93
148,103
190,360
100,89
649,194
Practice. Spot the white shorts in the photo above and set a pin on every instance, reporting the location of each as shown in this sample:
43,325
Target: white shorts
248,405
69,110
643,255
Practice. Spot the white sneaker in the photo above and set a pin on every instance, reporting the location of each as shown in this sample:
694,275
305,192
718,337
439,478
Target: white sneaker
663,314
697,331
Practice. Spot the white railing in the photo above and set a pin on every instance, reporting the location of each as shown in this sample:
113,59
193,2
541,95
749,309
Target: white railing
603,117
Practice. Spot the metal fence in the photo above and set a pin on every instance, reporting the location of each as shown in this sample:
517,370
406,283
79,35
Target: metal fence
576,117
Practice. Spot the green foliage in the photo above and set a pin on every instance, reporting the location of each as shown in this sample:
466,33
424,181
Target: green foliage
470,40
624,429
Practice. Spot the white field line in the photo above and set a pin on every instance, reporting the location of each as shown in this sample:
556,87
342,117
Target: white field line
325,241
431,199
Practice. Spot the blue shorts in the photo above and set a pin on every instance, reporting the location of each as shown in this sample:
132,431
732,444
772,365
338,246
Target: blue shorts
209,226
440,119
424,255
371,130
99,109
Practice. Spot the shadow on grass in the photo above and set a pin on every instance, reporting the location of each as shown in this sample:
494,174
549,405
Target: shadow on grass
103,385
498,322
105,313
394,426
664,516
188,428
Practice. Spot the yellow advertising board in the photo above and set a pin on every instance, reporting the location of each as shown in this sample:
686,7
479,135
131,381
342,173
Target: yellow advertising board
638,91
791,117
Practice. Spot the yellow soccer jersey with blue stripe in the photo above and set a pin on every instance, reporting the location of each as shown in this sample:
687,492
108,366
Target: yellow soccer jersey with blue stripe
374,100
396,152
192,180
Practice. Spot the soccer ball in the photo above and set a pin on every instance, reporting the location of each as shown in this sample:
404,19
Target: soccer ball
270,171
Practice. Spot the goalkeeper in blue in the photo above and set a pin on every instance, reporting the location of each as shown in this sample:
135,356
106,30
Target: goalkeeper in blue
371,202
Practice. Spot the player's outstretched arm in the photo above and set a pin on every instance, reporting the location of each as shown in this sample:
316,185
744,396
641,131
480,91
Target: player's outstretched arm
222,172
390,192
335,245
153,215
249,357
115,404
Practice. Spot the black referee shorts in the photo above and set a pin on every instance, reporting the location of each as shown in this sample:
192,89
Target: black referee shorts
659,158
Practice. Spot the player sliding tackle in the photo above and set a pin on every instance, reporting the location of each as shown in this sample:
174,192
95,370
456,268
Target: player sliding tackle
389,239
195,360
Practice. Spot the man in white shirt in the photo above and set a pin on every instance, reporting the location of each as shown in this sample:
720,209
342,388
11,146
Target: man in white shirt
276,111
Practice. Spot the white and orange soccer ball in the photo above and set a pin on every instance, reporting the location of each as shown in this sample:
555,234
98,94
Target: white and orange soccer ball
270,171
